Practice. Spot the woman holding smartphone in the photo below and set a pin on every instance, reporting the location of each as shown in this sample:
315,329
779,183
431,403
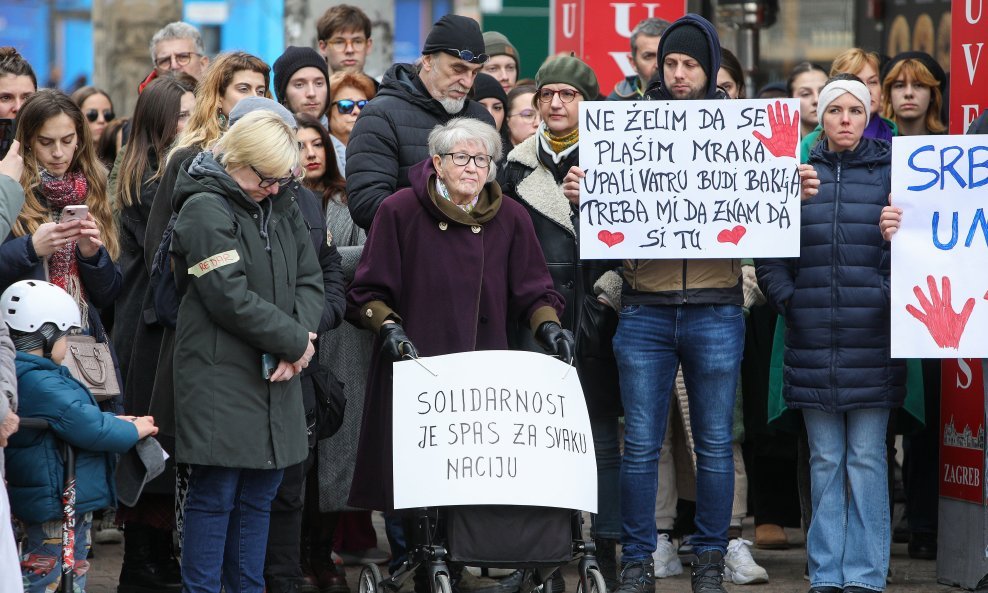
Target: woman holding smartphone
65,232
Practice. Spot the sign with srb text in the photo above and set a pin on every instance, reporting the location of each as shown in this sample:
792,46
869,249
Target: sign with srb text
689,179
492,427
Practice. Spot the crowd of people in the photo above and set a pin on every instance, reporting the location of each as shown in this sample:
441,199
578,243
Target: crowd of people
232,275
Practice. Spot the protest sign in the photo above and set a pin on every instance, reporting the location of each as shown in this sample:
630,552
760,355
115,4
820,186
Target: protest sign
492,427
689,179
939,284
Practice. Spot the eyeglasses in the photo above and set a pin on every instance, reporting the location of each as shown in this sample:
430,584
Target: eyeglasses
461,159
528,115
182,59
345,106
467,55
565,95
340,43
267,182
93,114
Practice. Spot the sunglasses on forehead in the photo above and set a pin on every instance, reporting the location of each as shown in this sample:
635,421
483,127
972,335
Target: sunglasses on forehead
467,55
93,115
345,106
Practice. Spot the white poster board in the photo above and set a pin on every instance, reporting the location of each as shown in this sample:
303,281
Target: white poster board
689,179
492,427
940,252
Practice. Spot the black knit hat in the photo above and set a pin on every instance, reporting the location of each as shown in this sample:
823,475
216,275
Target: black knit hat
690,40
294,59
572,71
486,86
453,31
922,57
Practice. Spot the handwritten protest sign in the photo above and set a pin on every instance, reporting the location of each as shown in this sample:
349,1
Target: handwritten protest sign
940,252
492,427
689,179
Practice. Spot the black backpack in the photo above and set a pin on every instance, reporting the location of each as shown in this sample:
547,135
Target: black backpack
163,292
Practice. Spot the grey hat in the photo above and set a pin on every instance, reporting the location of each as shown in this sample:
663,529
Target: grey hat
248,104
144,462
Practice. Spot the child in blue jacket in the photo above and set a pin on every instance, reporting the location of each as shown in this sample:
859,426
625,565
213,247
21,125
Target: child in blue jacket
40,315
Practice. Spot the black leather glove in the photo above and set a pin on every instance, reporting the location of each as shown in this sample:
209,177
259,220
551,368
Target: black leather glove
556,340
395,344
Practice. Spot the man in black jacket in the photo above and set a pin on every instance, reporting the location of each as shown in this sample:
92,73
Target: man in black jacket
392,131
980,125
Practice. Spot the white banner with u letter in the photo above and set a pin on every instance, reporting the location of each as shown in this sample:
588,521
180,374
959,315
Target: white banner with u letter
492,427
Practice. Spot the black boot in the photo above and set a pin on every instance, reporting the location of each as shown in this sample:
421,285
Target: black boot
141,571
607,561
707,574
163,554
638,577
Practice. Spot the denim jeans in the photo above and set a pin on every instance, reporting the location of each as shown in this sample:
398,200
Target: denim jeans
227,513
849,537
650,344
607,447
41,564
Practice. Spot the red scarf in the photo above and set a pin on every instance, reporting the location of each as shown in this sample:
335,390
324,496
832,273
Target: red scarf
63,268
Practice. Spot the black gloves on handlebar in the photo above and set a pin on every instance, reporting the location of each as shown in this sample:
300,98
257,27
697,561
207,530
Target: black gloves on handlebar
395,343
556,340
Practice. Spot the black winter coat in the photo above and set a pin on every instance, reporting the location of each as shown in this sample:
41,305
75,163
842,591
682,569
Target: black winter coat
835,296
593,323
980,125
390,136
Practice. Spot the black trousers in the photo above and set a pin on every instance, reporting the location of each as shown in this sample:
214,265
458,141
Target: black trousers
921,451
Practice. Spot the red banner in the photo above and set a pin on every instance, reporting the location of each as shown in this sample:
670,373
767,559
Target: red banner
962,430
599,32
968,63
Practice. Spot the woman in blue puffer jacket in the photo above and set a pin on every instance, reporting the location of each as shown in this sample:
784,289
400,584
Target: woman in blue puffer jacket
838,370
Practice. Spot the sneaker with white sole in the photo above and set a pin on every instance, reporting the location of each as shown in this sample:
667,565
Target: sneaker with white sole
666,559
739,567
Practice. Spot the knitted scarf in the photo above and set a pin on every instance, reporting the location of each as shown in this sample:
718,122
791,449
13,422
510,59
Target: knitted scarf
63,268
560,143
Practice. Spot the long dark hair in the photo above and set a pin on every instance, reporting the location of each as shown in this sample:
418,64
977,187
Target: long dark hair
729,62
152,131
331,183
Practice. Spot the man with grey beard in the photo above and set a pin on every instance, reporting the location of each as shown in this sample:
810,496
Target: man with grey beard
392,131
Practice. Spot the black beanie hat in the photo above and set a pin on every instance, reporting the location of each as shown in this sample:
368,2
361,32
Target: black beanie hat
572,71
294,59
690,40
453,31
922,57
486,86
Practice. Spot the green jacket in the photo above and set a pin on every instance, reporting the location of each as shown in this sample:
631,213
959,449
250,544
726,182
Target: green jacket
253,286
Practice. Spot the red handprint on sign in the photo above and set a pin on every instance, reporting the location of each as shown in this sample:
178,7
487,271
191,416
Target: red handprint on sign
785,130
944,324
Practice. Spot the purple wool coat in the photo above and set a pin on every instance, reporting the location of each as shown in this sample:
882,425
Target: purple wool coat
454,283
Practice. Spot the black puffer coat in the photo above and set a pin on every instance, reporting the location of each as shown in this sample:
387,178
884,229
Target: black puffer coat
390,136
557,226
835,296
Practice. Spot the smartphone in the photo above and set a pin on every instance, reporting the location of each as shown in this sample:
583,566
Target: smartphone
6,136
79,212
269,364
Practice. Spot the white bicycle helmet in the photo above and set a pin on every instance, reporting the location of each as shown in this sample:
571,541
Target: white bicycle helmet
29,304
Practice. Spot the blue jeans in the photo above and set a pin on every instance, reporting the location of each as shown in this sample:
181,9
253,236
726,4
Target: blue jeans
651,342
607,447
849,536
227,513
41,564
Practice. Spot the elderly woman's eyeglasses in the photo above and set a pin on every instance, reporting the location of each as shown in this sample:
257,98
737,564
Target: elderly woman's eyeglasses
527,115
467,55
460,159
93,114
565,95
345,106
267,182
182,59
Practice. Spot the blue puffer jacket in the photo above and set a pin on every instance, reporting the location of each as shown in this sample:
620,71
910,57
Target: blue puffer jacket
835,296
34,466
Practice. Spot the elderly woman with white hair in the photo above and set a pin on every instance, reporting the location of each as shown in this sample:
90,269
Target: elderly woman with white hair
835,300
449,264
253,295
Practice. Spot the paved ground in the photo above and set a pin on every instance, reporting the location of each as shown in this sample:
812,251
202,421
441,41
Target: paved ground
785,569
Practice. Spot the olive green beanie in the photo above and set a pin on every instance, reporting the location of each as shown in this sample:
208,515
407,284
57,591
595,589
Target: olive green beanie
496,44
572,71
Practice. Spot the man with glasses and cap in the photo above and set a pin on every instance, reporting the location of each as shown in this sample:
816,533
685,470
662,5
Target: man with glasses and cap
392,132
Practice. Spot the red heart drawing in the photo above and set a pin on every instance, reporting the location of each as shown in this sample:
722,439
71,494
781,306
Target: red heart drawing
610,239
731,236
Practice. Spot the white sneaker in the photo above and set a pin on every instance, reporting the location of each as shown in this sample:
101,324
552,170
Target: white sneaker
666,559
739,567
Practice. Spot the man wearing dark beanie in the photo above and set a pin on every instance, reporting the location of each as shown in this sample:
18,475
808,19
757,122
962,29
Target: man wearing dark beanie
301,81
696,302
392,131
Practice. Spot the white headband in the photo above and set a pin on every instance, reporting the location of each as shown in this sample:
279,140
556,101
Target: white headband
838,88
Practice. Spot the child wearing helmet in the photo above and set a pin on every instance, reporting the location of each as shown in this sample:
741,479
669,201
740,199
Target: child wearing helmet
39,316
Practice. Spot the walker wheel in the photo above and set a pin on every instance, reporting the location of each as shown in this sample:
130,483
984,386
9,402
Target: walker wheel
595,582
370,577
